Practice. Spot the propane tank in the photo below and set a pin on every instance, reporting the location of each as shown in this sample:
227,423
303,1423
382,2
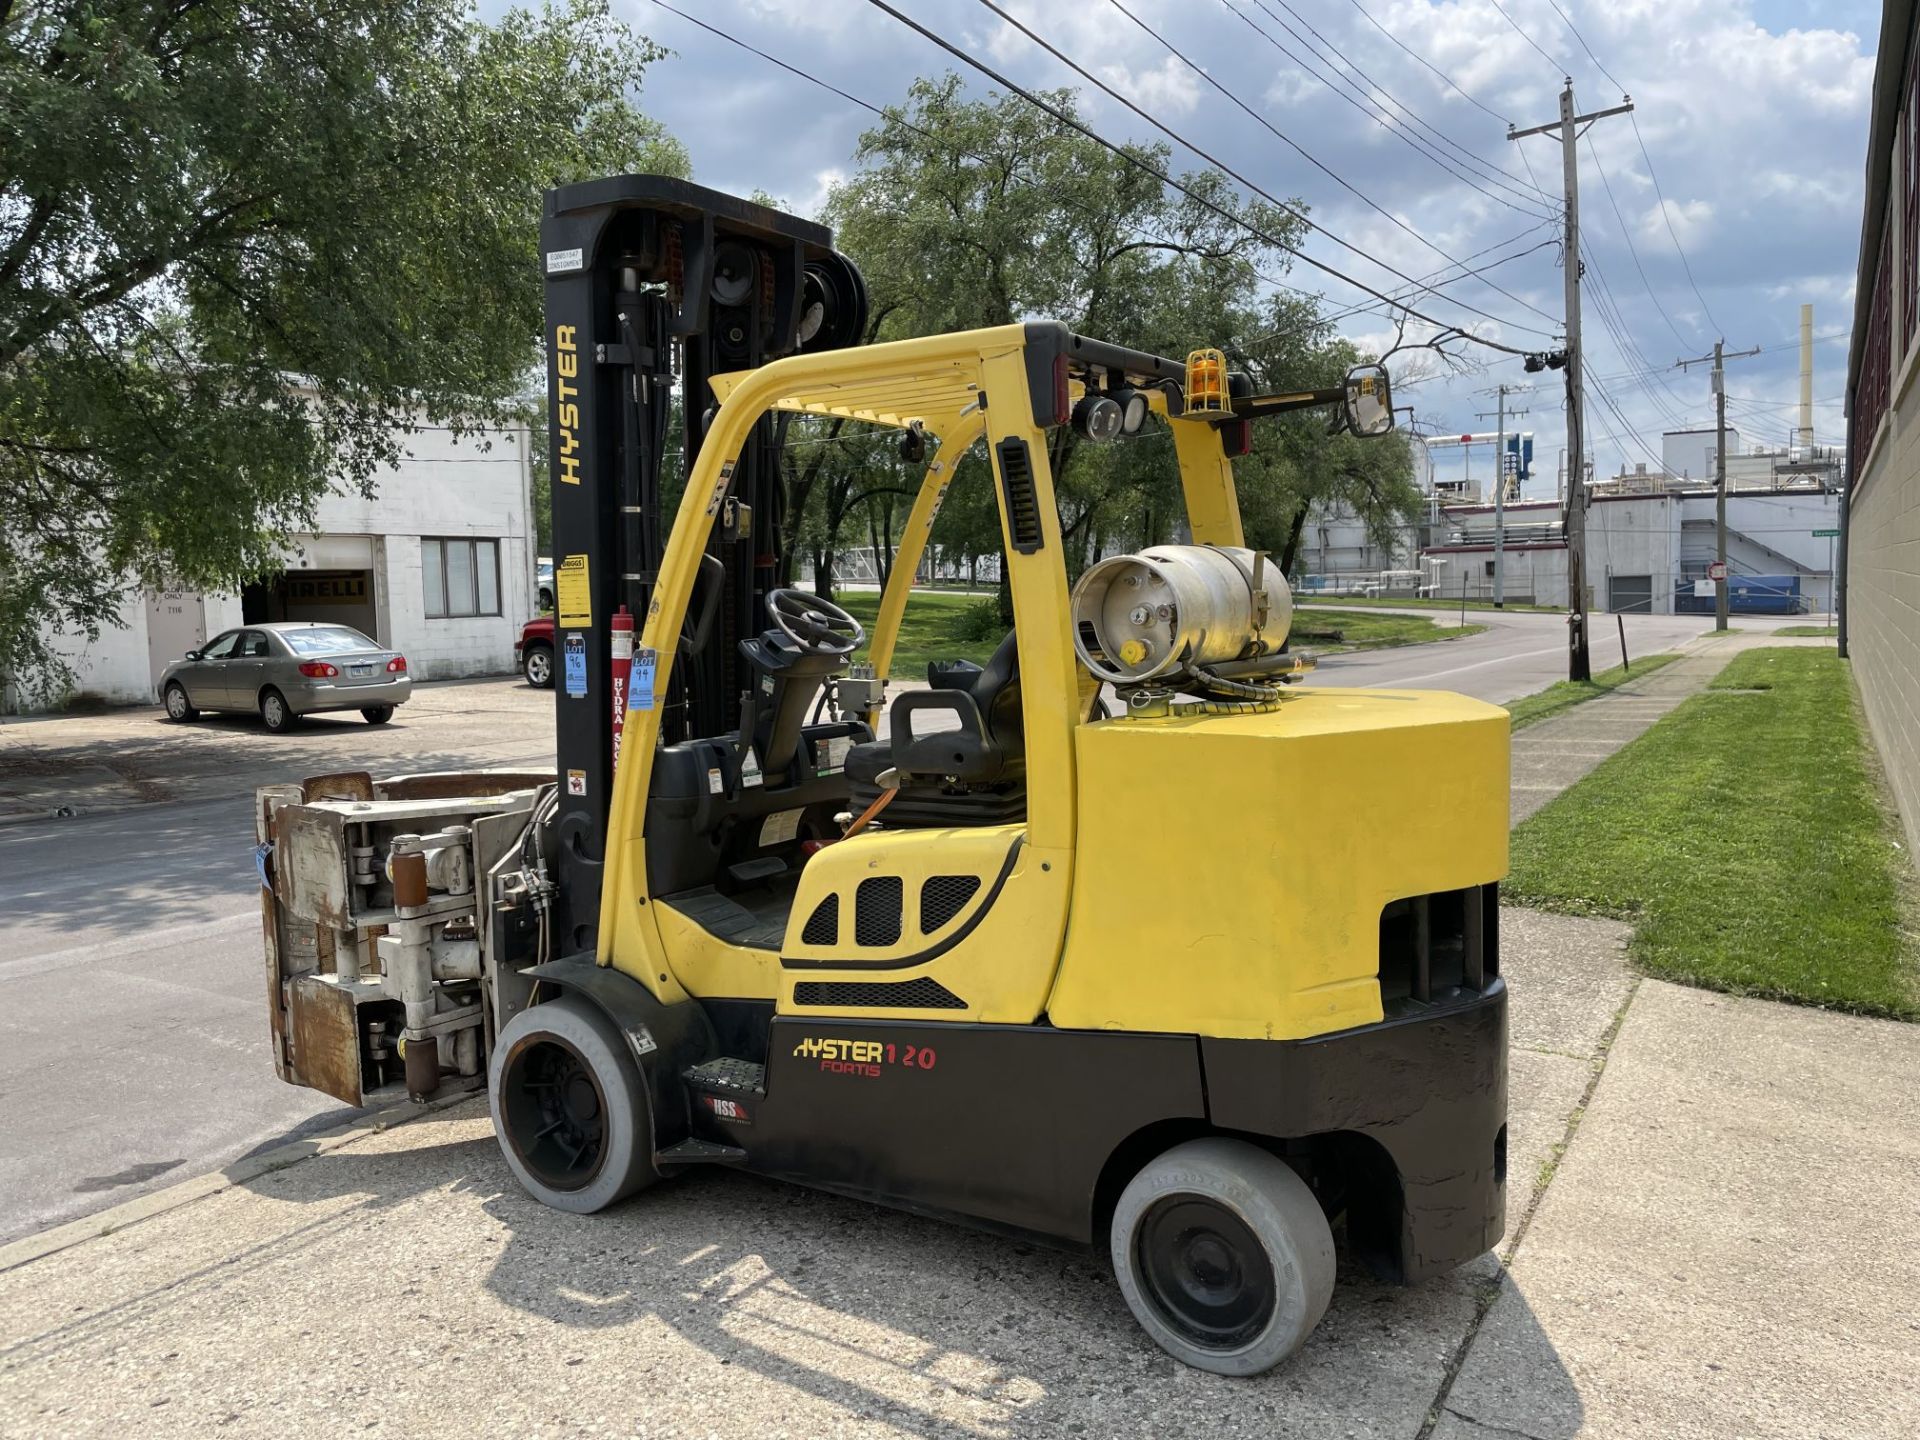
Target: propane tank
1157,616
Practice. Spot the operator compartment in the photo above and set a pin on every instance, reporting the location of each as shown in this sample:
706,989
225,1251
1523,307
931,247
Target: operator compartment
1266,861
730,818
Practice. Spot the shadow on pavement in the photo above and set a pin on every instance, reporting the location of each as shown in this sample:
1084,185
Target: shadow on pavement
942,1331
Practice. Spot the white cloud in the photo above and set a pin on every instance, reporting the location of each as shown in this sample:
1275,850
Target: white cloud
1689,221
1169,88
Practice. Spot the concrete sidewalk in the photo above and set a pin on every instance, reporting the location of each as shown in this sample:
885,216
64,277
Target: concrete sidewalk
1560,751
1729,1249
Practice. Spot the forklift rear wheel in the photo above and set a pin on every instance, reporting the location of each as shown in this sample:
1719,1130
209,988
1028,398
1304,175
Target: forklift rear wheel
569,1107
1224,1256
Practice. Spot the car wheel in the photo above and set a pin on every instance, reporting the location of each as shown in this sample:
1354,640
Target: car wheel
377,714
546,598
569,1107
275,711
1223,1255
179,707
537,666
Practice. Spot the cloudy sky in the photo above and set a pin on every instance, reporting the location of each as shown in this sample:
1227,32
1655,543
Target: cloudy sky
1752,112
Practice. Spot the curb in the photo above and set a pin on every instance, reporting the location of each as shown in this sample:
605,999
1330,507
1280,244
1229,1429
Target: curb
173,1197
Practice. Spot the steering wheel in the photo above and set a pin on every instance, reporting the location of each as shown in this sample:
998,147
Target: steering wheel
818,627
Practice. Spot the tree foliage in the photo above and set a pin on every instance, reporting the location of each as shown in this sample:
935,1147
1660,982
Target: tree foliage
977,212
244,243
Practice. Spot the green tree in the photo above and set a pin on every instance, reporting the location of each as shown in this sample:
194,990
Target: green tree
243,244
966,213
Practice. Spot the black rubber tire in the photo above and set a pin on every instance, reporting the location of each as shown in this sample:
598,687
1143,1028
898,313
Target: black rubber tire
1226,1222
377,714
546,600
275,713
536,663
601,1098
179,708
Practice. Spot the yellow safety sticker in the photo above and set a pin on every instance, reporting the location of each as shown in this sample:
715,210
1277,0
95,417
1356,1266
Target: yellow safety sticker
576,594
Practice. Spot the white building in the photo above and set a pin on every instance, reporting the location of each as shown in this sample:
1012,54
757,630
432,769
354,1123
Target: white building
438,564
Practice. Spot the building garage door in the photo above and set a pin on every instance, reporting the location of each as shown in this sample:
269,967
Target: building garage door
1630,594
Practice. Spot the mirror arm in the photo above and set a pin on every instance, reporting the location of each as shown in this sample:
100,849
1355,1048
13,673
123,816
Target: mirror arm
1255,407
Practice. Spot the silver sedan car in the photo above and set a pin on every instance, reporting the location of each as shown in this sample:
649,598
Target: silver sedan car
287,670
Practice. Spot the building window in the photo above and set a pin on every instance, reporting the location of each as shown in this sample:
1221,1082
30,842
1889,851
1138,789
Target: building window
461,577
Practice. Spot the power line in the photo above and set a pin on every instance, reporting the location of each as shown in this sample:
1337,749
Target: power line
1621,220
1281,135
1672,234
1557,67
894,117
1665,214
1389,118
1586,47
1195,196
1445,78
1432,279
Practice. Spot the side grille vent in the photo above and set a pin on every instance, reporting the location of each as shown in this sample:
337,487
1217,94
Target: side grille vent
823,926
895,995
943,897
876,911
1023,507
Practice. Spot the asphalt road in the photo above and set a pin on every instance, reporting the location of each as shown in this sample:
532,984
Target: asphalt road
132,1026
1518,653
133,1037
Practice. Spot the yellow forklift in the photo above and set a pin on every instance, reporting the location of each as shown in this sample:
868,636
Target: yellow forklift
1121,940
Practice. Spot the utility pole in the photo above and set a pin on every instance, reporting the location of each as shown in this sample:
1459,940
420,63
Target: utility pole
1500,492
1579,662
1719,359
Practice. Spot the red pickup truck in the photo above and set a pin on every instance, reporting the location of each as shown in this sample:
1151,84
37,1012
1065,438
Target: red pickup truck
533,652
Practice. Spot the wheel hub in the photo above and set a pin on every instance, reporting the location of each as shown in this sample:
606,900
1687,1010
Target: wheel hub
1205,1271
556,1116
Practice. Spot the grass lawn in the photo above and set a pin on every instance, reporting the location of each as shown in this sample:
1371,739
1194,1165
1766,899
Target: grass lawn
1745,838
1810,632
1441,603
937,626
940,626
1362,630
1563,694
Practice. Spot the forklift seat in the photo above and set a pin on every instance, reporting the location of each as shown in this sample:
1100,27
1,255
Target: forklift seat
974,774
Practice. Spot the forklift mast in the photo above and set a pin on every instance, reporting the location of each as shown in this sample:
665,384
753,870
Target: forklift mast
653,286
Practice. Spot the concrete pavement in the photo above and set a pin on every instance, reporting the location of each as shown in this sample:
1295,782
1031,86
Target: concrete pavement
1724,1250
717,1304
1728,1249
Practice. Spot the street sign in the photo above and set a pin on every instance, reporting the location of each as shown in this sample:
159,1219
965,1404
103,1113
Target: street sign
1826,534
1717,570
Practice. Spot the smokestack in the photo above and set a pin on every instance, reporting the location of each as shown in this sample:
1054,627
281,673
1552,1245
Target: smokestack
1806,379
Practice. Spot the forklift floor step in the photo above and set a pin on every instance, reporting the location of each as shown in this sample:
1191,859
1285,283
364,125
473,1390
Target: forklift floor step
737,1076
698,1152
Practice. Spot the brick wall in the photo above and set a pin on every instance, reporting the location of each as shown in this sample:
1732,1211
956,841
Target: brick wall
1883,600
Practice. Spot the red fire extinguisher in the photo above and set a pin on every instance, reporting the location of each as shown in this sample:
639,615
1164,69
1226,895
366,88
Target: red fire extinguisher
622,674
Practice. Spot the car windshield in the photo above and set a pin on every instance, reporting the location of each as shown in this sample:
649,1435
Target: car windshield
326,640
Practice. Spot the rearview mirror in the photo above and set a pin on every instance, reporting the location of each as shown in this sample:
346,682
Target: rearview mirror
1369,402
193,654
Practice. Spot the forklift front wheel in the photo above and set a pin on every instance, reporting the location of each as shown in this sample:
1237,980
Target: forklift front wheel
570,1108
1224,1256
